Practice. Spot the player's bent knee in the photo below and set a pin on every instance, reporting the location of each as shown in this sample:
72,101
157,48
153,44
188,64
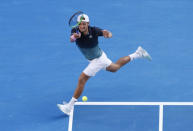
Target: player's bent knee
113,68
83,78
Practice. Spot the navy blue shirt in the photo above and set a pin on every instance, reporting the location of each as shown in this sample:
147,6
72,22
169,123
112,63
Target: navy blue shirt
88,44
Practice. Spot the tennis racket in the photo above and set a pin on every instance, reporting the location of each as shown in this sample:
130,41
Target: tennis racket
73,23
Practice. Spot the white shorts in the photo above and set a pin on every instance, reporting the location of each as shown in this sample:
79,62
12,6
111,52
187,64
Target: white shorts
97,64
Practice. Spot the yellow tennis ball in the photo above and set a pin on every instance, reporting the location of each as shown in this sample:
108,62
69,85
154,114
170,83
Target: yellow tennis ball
84,98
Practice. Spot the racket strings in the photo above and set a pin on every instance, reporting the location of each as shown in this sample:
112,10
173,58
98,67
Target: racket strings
73,20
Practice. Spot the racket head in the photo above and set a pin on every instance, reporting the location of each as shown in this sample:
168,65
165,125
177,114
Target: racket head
73,19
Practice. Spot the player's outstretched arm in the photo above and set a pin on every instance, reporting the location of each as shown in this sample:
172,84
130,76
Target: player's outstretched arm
107,34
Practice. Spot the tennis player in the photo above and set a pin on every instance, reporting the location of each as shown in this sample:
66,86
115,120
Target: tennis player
87,42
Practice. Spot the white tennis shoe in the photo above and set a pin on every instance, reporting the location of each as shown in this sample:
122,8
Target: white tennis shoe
143,53
66,108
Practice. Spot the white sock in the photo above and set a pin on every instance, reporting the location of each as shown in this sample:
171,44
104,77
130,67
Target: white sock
134,56
72,101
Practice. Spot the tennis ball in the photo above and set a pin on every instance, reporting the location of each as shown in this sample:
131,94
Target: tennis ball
84,98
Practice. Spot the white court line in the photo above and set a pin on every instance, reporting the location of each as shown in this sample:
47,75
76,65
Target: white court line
160,104
71,120
161,118
134,103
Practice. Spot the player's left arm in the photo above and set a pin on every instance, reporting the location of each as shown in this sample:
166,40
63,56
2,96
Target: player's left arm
107,34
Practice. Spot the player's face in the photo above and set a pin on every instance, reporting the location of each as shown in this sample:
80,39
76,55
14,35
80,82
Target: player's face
83,27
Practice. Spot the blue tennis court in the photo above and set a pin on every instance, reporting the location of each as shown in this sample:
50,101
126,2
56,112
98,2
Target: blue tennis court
39,67
116,118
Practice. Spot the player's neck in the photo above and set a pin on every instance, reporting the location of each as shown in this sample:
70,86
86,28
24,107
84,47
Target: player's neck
85,32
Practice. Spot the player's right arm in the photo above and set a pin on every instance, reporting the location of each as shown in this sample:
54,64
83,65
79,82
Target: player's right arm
75,36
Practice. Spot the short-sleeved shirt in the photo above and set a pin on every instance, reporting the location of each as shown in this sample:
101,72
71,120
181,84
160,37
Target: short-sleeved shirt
88,44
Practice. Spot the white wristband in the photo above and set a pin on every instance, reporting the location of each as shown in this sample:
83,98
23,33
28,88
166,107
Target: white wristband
73,38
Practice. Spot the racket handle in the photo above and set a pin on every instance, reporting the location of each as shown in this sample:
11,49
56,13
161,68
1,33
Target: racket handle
77,31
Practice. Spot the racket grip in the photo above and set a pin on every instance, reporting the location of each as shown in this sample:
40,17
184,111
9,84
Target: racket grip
77,31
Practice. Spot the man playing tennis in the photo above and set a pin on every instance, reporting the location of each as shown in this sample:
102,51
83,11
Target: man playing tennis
87,42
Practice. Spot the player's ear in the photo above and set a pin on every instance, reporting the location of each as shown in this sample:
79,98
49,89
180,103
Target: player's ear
88,23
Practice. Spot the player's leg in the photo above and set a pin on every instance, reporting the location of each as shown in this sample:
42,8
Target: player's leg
89,71
139,53
67,107
79,89
81,83
116,66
